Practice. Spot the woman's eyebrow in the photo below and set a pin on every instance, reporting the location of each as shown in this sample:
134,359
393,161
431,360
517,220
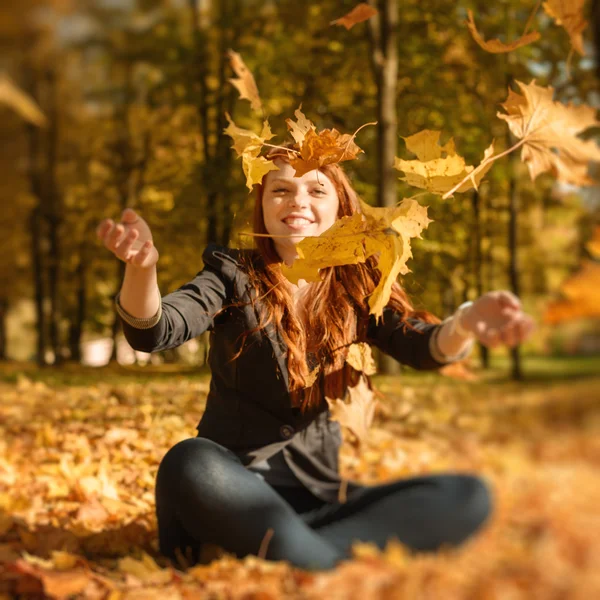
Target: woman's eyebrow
281,180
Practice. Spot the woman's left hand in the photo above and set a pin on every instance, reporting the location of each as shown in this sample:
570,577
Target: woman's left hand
497,318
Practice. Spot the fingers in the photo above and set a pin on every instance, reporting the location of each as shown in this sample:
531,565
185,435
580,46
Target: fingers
141,258
508,300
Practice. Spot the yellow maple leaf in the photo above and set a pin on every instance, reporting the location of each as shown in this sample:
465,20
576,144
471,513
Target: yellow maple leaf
569,14
248,146
384,232
436,173
496,46
548,132
245,83
358,14
360,357
255,168
357,414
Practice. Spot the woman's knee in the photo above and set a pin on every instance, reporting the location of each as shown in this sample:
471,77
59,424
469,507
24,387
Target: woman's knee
192,460
471,499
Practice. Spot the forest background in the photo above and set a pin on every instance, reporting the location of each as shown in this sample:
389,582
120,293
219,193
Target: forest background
108,104
132,99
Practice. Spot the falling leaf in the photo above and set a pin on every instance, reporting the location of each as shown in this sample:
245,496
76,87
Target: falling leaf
19,101
246,141
384,232
248,146
496,46
436,173
571,15
356,414
360,357
548,131
300,127
245,83
361,12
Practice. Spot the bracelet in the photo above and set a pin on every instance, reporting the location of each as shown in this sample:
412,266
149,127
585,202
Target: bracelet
456,326
138,323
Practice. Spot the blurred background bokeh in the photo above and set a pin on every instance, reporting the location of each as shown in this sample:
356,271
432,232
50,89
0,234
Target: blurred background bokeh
108,104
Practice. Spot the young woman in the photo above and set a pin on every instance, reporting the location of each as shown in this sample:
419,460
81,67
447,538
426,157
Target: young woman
264,466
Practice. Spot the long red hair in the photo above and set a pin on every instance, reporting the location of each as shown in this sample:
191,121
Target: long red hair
336,308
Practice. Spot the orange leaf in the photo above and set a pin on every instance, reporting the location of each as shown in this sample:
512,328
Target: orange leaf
358,14
496,46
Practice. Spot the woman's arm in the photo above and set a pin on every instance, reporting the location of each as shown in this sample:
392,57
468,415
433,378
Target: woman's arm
182,315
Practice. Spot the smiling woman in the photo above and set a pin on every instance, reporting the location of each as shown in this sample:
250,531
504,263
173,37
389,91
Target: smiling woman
265,462
297,207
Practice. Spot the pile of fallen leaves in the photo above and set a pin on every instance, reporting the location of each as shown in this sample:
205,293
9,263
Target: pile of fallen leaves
77,468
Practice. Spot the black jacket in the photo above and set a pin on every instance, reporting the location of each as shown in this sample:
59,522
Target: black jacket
248,409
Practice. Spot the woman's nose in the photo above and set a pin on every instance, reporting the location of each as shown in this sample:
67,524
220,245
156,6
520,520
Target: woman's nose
298,199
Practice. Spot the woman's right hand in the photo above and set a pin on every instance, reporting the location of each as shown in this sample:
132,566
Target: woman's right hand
130,240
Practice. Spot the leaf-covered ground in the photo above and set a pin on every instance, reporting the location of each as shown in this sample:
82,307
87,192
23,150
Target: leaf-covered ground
79,451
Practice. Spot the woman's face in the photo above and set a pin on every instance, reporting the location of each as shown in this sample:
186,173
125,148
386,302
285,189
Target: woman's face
297,206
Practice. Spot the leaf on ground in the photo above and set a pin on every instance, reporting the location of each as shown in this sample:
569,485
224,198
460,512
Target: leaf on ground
438,169
569,14
549,130
356,414
385,232
245,83
496,46
361,12
360,357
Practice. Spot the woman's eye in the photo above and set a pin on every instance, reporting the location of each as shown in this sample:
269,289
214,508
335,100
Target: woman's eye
279,190
317,191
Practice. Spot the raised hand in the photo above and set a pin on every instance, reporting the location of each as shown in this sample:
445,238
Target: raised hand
497,318
130,240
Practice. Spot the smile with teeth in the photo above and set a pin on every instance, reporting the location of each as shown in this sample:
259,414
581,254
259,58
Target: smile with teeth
297,221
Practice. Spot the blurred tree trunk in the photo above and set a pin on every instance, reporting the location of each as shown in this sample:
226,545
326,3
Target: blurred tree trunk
53,217
383,34
216,157
478,267
76,326
36,229
3,332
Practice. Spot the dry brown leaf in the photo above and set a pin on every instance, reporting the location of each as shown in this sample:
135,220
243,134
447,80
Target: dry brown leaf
357,414
361,12
360,357
548,131
570,14
245,83
300,127
496,46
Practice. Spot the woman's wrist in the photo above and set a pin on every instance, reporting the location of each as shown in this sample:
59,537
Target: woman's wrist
457,323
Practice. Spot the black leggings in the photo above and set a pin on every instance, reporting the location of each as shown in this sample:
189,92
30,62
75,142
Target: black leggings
205,495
